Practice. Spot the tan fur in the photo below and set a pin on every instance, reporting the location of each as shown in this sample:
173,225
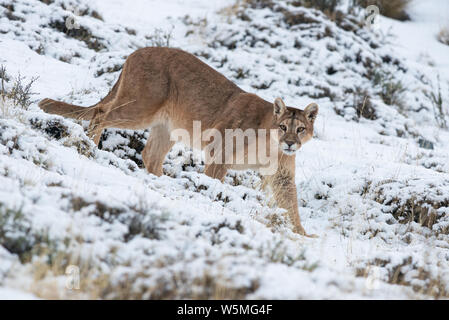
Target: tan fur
165,89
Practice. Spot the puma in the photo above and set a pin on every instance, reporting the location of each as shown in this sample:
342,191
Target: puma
165,89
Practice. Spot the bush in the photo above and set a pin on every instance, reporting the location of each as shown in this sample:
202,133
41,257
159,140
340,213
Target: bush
436,98
19,92
443,35
406,271
362,104
160,38
82,34
395,9
327,6
389,89
14,230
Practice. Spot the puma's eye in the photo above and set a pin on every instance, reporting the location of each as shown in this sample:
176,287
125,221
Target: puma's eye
300,130
283,128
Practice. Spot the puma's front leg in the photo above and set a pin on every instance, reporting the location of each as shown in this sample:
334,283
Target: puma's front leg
291,204
285,194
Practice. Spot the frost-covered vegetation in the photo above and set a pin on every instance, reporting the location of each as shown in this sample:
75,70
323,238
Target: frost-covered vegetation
443,35
373,183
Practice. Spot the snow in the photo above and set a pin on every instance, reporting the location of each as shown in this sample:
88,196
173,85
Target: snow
416,39
10,294
87,206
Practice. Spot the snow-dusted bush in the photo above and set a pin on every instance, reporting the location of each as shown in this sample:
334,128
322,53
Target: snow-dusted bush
406,202
405,270
396,9
390,89
443,35
440,105
18,90
126,144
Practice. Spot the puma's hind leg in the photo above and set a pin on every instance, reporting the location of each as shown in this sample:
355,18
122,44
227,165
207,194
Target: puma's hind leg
106,115
215,168
156,149
97,124
95,130
216,171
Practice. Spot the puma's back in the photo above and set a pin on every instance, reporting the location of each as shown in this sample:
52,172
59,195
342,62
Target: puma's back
175,77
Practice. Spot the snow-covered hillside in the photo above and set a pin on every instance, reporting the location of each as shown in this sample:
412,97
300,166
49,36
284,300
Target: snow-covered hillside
373,183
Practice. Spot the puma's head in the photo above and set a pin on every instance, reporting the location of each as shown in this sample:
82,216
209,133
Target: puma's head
295,126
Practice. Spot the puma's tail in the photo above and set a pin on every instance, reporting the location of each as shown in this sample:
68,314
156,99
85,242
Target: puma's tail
67,110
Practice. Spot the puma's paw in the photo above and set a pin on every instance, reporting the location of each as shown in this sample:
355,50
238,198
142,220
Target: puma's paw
301,231
314,236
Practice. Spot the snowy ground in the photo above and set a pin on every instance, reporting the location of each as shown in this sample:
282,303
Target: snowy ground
369,186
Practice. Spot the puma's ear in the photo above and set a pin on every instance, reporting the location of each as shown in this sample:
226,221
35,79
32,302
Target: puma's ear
311,111
279,107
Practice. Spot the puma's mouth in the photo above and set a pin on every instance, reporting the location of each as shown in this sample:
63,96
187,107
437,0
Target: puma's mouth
289,151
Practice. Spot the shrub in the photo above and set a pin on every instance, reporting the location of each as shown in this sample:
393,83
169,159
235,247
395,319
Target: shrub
411,206
19,92
362,104
82,34
327,6
160,38
436,98
129,145
406,271
395,9
443,35
389,89
14,231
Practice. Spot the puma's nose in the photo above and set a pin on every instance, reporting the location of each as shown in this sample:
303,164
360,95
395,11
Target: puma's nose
289,143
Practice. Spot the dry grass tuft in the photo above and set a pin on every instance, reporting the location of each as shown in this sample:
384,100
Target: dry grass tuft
52,279
362,104
395,9
443,35
439,105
